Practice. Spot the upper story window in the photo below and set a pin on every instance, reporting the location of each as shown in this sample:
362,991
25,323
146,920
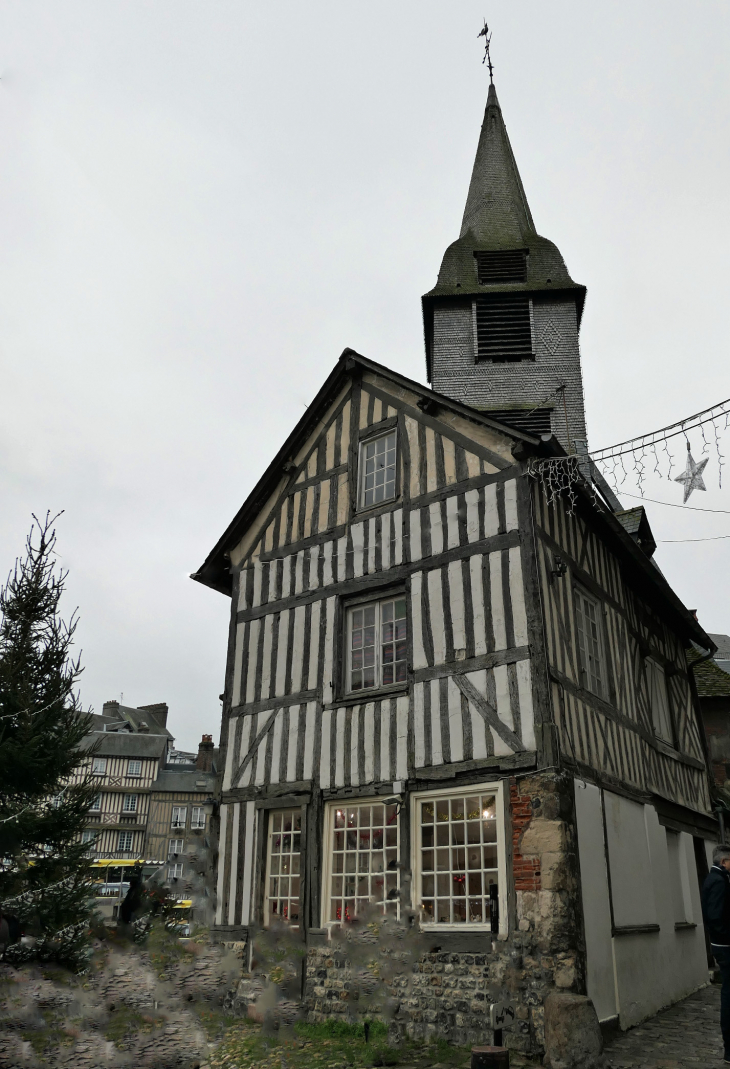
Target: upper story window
503,327
509,265
95,804
590,643
130,803
134,768
197,817
174,872
179,816
88,836
176,846
376,644
659,701
283,857
124,841
458,856
362,860
378,481
98,766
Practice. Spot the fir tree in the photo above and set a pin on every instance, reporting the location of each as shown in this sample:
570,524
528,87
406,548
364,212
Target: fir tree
44,867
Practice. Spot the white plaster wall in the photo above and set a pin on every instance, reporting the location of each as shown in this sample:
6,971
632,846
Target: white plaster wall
650,970
596,907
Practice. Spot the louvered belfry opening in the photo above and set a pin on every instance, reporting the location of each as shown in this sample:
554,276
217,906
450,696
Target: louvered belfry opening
497,267
537,422
504,329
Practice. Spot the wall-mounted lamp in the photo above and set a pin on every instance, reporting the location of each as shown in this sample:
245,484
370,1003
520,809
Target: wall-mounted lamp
559,568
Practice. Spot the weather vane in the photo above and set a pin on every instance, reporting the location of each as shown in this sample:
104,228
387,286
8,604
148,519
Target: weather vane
487,57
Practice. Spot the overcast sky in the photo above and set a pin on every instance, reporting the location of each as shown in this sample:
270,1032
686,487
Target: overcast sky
202,203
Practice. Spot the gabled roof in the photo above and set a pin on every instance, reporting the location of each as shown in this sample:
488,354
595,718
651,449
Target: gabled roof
124,744
215,572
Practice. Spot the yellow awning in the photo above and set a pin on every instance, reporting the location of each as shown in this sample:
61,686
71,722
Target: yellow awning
185,903
105,863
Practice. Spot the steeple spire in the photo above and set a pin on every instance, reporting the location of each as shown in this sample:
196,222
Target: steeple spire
496,209
501,324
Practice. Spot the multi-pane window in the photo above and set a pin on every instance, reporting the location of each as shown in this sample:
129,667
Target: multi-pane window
95,804
179,816
283,866
457,856
378,470
177,846
376,644
174,872
130,803
659,700
197,817
88,836
134,768
98,766
124,842
590,642
362,851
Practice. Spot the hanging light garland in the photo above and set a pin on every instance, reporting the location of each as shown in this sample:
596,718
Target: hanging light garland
649,454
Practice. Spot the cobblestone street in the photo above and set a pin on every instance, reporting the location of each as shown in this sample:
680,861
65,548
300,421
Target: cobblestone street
687,1034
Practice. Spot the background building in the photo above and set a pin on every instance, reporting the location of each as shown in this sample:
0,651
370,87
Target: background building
154,803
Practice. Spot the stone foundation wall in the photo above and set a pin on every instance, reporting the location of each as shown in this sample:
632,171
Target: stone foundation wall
448,992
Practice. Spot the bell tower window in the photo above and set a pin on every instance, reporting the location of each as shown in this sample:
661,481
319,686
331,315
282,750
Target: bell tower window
494,268
503,327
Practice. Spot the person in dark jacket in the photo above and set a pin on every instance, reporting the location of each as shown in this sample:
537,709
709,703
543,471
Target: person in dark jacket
716,911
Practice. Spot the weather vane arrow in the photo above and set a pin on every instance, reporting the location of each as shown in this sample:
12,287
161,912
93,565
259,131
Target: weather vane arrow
484,32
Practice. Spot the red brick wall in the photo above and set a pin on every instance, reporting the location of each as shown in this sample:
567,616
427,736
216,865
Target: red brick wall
526,870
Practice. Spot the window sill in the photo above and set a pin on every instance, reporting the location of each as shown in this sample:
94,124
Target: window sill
363,697
368,512
456,928
636,929
684,926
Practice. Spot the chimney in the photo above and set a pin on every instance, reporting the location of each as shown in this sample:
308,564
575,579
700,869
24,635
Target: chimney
159,712
204,762
110,709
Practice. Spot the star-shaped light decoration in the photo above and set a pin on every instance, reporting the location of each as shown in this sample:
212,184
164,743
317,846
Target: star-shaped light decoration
692,477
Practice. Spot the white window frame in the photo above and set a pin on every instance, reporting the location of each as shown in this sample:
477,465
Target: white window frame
134,767
130,803
179,809
327,866
197,813
659,706
95,806
88,835
173,847
497,789
98,766
175,870
586,679
128,836
269,875
377,604
361,461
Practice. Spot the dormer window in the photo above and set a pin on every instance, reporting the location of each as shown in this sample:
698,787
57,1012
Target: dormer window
494,268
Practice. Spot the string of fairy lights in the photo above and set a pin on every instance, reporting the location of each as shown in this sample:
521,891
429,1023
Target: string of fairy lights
634,460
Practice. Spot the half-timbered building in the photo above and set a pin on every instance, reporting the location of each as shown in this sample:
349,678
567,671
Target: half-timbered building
451,693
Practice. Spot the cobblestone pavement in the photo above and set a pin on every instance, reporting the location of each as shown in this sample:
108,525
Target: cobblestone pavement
687,1034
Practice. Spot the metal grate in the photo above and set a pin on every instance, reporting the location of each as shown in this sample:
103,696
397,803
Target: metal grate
495,267
537,422
504,327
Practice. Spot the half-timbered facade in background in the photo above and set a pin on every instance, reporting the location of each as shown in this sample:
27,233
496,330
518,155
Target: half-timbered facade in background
452,698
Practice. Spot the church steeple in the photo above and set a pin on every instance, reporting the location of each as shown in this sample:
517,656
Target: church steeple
496,206
501,324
